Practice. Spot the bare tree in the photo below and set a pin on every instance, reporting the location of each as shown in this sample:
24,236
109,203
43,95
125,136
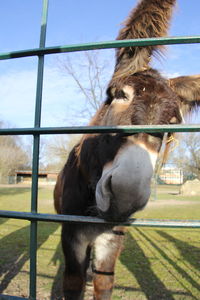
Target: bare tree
187,155
90,72
58,149
12,155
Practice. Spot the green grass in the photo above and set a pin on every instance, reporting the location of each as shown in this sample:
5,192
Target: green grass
157,264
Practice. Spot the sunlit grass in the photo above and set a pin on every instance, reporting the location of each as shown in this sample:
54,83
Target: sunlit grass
155,264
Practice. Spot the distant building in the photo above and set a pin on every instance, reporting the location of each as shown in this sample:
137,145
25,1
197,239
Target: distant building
171,175
25,176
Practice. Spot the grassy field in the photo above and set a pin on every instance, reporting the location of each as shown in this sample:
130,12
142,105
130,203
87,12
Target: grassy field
157,264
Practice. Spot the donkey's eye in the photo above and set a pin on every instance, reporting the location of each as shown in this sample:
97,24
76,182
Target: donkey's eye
121,97
120,94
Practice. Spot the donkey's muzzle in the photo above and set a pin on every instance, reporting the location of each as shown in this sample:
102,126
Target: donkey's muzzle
124,186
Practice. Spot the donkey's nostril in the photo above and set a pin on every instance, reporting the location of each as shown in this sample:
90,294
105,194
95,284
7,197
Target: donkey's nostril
104,192
107,186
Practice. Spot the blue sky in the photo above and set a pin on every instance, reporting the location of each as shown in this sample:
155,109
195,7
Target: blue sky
73,22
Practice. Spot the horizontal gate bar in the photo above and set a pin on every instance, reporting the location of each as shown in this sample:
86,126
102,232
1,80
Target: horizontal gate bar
101,129
80,219
7,297
101,45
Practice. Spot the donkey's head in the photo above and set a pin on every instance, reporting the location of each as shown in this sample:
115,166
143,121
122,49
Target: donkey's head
144,98
138,95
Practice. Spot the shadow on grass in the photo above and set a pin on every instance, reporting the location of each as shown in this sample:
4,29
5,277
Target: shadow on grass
3,220
181,271
174,193
136,262
15,250
56,290
189,253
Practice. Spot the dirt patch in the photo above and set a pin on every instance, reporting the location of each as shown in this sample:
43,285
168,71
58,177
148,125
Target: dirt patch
170,202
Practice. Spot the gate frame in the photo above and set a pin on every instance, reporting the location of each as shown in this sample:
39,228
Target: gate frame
36,131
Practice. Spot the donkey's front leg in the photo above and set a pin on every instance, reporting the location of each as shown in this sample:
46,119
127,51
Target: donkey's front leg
76,250
107,248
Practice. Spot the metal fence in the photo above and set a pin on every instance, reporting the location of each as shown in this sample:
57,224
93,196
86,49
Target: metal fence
33,216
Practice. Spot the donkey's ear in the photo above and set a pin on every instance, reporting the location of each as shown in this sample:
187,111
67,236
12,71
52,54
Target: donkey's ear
149,19
188,89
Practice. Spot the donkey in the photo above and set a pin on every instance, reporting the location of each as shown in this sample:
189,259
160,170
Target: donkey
109,175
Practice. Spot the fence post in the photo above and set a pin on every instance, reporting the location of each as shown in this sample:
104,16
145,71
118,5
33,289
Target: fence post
35,163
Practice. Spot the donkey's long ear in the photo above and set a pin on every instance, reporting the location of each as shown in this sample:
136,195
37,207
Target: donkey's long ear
188,89
149,19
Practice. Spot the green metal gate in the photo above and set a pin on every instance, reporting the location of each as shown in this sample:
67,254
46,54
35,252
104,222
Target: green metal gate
36,131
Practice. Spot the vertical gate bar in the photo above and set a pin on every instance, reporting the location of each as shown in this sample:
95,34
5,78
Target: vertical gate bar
35,162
